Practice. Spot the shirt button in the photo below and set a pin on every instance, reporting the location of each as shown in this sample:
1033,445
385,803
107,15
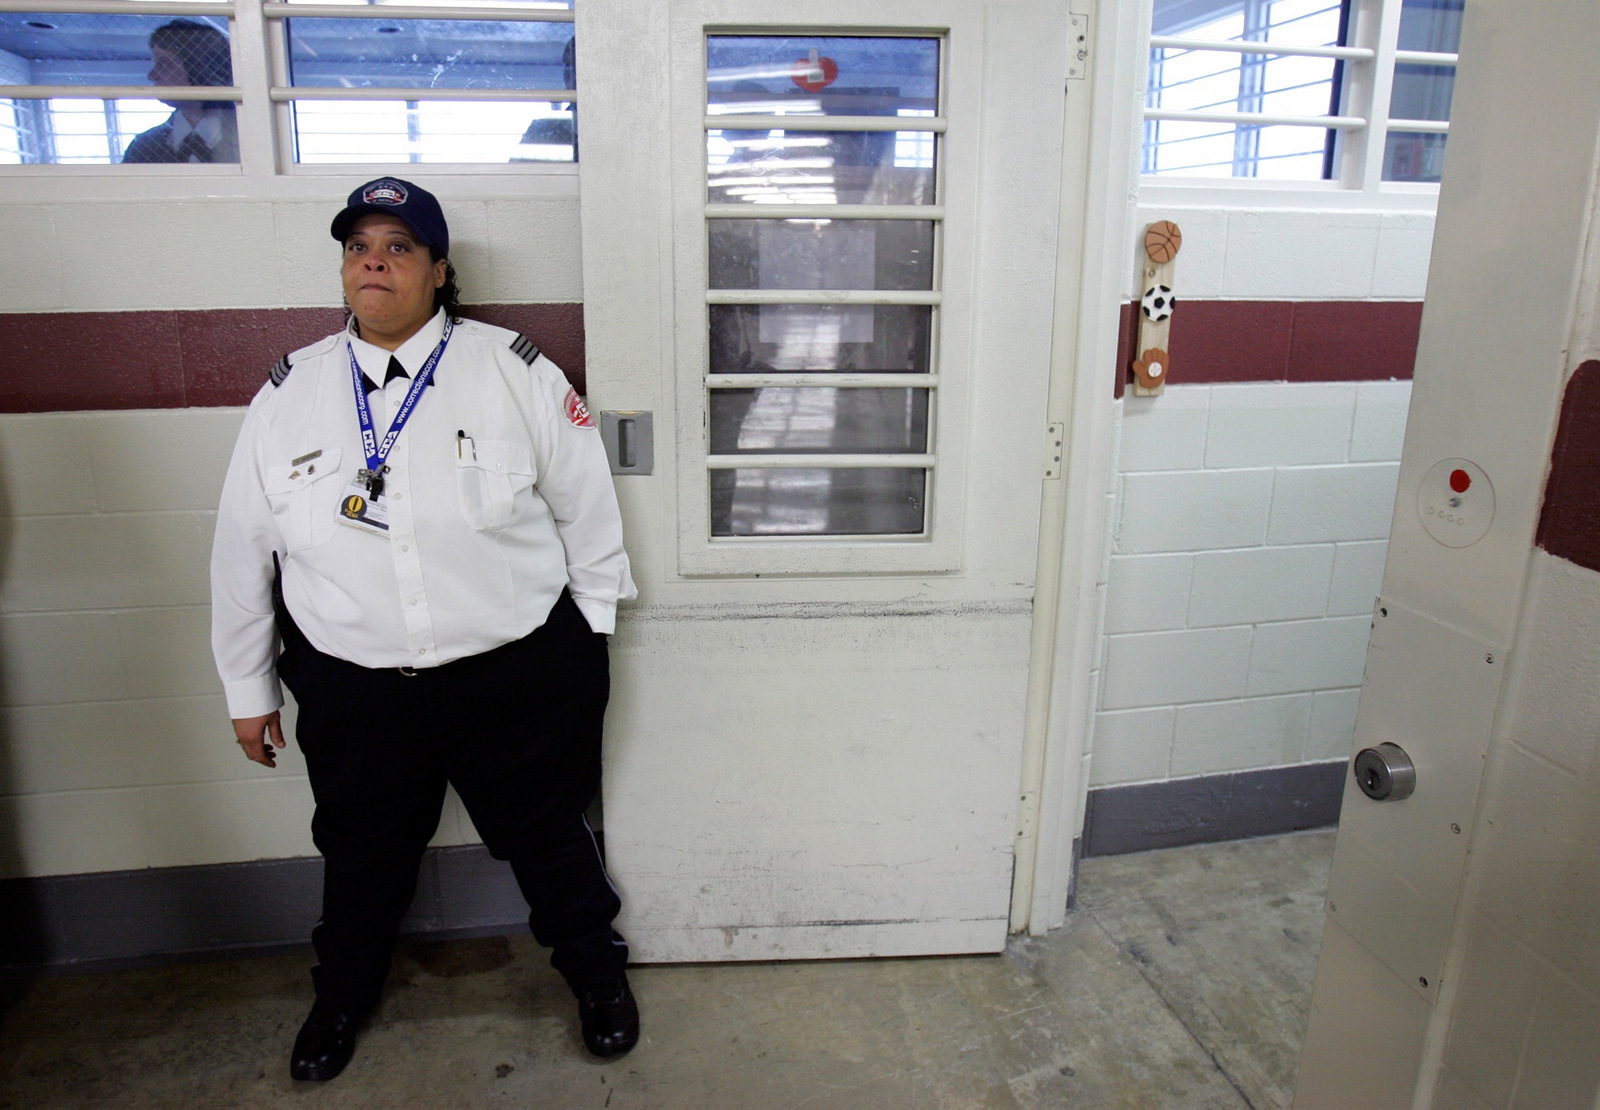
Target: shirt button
405,547
422,651
398,496
413,601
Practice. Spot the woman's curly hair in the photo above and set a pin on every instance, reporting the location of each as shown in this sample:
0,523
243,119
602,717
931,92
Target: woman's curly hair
448,295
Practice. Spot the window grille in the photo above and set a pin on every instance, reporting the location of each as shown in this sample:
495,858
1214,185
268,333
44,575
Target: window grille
1300,89
823,224
452,81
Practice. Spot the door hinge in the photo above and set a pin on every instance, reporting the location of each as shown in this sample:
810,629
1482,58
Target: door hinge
1078,48
1055,438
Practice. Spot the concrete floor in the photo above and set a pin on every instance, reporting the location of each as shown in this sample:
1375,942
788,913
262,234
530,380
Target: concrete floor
1182,981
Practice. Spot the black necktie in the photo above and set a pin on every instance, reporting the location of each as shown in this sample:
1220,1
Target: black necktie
395,371
193,147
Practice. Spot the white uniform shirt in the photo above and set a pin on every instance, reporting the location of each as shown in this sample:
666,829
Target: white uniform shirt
498,496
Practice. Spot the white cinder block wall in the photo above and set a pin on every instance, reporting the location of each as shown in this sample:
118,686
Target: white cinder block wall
1250,521
115,746
1248,535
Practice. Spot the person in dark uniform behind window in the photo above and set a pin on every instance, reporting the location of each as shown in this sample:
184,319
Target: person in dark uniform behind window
185,52
420,511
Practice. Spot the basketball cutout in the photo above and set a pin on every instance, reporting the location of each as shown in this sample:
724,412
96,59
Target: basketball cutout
1162,241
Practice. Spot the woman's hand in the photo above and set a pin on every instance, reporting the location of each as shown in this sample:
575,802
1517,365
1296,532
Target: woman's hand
254,734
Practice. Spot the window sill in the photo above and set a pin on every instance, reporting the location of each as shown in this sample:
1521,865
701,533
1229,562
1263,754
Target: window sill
1256,195
44,184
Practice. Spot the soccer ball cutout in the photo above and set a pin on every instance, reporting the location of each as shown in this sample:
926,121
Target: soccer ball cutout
1157,303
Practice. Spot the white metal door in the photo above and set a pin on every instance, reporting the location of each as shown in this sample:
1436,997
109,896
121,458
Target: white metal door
814,745
1458,965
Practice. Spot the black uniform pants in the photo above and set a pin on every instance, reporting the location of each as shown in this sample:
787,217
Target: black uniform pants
517,731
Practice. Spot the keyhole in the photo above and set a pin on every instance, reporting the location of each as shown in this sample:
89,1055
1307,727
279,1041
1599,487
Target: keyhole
1372,779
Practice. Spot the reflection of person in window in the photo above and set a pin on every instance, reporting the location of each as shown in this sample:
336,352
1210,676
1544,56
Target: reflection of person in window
184,52
555,138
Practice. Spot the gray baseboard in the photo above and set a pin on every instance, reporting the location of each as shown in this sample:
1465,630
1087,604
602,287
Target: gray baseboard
1231,806
134,918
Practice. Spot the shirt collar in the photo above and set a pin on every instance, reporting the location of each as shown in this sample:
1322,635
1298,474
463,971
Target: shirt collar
374,360
209,128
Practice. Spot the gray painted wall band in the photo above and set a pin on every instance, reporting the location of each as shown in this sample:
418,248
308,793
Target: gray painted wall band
130,918
1209,808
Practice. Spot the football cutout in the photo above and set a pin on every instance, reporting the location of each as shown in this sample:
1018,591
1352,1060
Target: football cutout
1162,241
1157,303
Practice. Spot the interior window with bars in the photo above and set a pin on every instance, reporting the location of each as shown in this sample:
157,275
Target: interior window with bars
822,193
387,83
72,78
1189,79
454,81
1263,89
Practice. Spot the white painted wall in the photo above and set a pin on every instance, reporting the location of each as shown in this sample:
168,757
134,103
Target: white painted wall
1248,546
101,251
1246,247
115,750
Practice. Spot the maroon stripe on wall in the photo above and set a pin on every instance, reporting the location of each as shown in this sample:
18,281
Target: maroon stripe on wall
1281,341
70,361
1569,524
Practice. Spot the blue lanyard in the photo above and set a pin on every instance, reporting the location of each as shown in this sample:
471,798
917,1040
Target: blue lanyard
376,452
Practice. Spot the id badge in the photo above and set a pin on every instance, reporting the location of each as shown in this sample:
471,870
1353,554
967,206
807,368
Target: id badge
360,509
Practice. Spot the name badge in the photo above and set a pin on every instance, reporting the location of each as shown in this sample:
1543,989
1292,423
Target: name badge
359,509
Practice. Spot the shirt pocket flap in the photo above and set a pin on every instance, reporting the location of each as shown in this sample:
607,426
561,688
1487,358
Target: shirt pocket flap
505,457
292,477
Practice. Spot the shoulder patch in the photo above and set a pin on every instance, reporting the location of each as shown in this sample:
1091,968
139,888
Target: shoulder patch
280,370
523,348
577,412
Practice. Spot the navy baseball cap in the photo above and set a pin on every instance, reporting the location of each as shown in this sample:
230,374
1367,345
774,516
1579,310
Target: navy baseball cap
390,196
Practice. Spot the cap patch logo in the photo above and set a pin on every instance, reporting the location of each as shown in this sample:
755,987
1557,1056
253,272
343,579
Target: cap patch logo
577,412
384,192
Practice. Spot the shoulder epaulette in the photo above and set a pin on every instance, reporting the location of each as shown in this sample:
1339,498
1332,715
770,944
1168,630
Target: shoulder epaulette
280,370
524,349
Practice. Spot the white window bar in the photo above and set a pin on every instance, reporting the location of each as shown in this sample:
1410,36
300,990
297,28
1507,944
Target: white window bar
115,7
406,11
825,123
821,296
1337,123
283,94
1424,58
121,92
820,462
1363,164
757,210
828,378
1286,50
1427,126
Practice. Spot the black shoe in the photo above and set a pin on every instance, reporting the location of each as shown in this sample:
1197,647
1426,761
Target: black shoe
610,1018
326,1042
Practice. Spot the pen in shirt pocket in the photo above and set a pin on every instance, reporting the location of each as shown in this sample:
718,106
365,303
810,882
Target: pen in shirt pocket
463,438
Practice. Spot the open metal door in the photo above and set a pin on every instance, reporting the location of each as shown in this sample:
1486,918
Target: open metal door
1459,964
821,253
